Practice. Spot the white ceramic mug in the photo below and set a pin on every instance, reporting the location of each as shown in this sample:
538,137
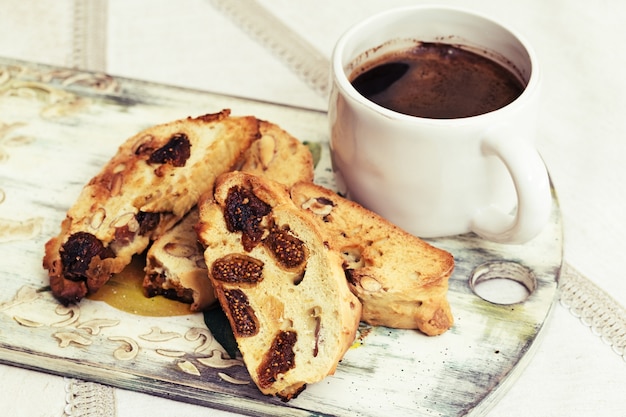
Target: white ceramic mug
440,177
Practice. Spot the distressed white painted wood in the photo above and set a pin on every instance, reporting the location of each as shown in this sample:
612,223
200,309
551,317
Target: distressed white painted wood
58,127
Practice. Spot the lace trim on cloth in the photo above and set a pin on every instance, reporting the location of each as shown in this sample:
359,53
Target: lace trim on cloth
89,35
296,52
595,308
88,399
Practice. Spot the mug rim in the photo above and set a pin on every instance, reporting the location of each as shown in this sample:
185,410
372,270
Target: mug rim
341,79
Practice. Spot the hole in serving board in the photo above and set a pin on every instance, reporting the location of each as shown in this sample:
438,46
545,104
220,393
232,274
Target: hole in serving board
503,282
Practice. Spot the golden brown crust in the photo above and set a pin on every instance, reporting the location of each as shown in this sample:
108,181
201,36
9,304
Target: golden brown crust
282,289
150,184
401,280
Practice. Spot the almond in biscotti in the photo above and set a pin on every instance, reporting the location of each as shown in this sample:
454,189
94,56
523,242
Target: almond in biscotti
282,289
401,280
152,181
279,156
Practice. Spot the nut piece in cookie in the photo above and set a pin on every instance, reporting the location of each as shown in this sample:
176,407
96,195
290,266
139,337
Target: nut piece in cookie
283,290
278,156
401,280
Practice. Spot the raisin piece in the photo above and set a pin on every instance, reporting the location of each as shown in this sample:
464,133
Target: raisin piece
123,235
244,212
278,359
287,249
238,269
77,252
242,315
147,222
175,152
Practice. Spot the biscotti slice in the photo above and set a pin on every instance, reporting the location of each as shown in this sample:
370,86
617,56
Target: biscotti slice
401,280
175,265
283,291
152,181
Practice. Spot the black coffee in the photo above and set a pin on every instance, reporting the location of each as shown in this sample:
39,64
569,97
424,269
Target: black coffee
437,81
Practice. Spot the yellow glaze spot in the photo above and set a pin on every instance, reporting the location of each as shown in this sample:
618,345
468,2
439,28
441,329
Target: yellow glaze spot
124,291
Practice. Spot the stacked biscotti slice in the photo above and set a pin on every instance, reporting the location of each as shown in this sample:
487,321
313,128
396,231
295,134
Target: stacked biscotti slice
151,183
175,266
401,280
296,270
282,288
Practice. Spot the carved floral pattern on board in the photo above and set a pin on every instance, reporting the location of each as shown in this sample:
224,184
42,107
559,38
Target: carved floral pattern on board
194,349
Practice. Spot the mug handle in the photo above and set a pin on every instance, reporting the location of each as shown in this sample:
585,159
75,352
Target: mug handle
532,186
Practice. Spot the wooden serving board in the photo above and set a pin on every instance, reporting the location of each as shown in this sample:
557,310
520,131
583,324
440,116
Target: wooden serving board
59,126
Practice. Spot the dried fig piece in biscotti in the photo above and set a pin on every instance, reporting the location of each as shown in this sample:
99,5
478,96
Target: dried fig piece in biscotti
152,181
401,280
286,297
277,155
